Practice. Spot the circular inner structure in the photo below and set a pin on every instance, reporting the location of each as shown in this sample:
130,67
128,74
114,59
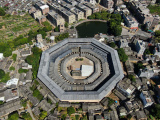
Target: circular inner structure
79,67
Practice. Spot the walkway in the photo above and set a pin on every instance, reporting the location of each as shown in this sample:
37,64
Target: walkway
30,111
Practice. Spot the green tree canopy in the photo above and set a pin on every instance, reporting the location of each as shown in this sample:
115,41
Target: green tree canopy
122,55
155,111
146,52
66,24
26,116
43,115
70,110
13,116
132,78
112,44
2,73
2,12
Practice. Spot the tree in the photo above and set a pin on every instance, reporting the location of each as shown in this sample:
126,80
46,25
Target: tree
70,110
77,117
24,103
122,55
157,33
66,24
56,29
132,78
14,57
146,52
63,117
22,70
13,116
43,115
2,73
7,53
26,116
2,12
11,68
112,44
155,111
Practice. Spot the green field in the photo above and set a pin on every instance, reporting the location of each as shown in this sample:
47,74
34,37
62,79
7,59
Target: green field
16,25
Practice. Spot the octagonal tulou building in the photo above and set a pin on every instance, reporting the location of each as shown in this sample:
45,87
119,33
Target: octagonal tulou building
80,70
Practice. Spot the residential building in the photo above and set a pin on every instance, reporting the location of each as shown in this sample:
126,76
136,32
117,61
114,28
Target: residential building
146,98
61,28
25,53
130,22
26,66
36,14
11,94
123,43
140,115
111,115
94,8
44,9
87,11
108,3
122,111
157,50
13,81
55,18
129,67
67,15
132,106
125,87
140,47
148,73
41,19
9,107
91,1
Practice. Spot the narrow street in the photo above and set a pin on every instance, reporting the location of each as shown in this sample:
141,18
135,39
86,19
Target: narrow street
30,111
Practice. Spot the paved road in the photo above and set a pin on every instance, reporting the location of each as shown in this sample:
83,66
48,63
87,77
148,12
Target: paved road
30,111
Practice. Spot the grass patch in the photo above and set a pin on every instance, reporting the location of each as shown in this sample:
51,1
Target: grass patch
154,9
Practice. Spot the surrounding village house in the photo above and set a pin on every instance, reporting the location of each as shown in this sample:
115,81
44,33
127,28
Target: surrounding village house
122,111
9,107
146,98
108,3
140,115
132,106
13,81
148,73
157,50
25,53
123,43
26,66
126,87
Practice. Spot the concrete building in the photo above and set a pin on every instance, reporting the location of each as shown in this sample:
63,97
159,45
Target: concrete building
146,98
55,18
37,14
87,11
123,43
94,8
146,73
44,9
126,87
41,19
140,47
108,3
130,22
157,50
68,88
91,1
67,15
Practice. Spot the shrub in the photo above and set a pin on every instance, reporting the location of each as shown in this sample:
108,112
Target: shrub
11,68
2,73
70,110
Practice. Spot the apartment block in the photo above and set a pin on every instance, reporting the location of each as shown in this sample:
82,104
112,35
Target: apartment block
55,18
87,11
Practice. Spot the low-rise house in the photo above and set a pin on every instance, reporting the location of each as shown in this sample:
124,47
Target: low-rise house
146,98
119,94
26,66
1,56
25,53
140,115
111,115
2,97
129,67
25,90
143,35
125,87
156,50
122,111
104,101
52,97
45,105
44,9
148,73
64,104
36,14
132,106
36,111
91,106
33,100
12,82
11,94
128,51
28,77
137,83
98,117
9,107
